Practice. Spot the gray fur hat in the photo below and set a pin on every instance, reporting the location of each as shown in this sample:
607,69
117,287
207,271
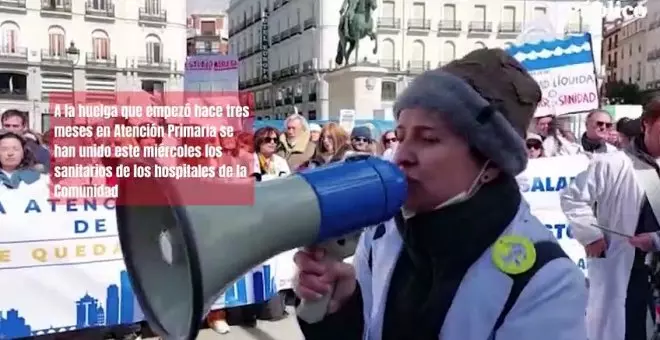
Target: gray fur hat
487,97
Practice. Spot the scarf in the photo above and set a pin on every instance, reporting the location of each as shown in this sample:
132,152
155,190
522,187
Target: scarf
439,248
266,166
27,176
591,145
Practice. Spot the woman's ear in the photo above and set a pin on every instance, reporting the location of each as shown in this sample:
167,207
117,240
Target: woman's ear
489,174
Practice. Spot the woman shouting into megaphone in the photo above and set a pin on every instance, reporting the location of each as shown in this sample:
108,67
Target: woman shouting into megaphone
465,259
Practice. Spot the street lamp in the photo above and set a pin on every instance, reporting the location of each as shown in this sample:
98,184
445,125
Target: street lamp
73,53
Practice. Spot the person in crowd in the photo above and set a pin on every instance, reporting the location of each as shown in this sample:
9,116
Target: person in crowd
361,139
613,138
16,121
295,145
534,146
628,129
557,139
542,125
332,146
436,270
594,139
314,132
267,163
17,164
47,138
388,141
33,136
610,194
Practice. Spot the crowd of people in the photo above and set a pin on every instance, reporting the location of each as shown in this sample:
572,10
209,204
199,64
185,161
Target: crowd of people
551,136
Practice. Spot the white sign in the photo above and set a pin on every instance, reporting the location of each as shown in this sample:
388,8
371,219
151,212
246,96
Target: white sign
564,69
347,119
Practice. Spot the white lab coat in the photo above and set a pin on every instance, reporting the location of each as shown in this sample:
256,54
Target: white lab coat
279,164
551,307
610,181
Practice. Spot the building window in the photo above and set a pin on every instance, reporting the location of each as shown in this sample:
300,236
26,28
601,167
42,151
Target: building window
419,10
539,12
388,90
56,45
208,27
152,6
449,13
100,45
154,50
100,5
9,38
480,13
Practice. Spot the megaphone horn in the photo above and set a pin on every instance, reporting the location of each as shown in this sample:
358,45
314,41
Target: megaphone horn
181,258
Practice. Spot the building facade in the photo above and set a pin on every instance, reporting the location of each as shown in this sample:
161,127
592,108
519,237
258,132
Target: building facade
628,59
285,46
653,47
610,52
207,34
122,46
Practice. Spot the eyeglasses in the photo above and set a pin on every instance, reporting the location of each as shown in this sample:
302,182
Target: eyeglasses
605,124
270,140
390,140
360,139
534,145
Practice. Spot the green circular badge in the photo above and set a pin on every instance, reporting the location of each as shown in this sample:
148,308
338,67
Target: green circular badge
514,254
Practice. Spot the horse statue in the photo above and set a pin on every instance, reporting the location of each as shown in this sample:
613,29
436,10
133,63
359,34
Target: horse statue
355,23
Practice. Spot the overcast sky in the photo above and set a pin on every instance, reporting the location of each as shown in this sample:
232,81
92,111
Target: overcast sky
207,6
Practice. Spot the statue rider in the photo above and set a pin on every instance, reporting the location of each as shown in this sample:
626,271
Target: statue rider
346,12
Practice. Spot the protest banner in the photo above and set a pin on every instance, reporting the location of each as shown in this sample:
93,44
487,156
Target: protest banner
61,267
565,71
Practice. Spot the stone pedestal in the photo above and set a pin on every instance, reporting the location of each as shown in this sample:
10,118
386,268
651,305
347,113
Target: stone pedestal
356,87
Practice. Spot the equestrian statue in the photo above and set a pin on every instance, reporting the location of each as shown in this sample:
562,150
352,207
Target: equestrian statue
355,22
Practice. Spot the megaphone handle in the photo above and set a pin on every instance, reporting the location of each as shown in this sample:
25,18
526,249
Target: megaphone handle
314,311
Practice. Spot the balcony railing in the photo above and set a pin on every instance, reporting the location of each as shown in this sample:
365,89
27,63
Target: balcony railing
100,11
15,94
480,26
97,61
51,57
449,26
391,65
418,66
309,23
297,29
59,6
8,53
509,27
308,66
154,64
275,39
12,4
419,24
152,16
389,23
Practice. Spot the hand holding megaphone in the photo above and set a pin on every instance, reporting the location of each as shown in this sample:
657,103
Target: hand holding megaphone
324,281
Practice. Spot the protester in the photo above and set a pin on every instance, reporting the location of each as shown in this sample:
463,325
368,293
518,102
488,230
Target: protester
295,145
245,145
388,141
610,194
332,146
594,140
436,270
558,140
268,164
361,139
628,129
314,132
542,125
534,146
17,121
17,164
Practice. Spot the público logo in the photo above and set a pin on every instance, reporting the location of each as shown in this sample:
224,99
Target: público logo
612,11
